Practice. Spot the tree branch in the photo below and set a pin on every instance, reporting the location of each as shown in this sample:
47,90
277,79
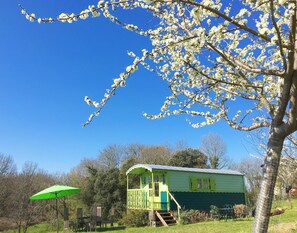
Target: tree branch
237,126
286,90
230,20
279,38
226,58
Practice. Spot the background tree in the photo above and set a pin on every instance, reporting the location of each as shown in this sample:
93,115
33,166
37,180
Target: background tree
24,211
108,192
213,53
7,165
252,171
288,163
180,145
134,179
111,156
287,173
214,147
287,176
189,158
77,177
7,173
88,191
155,155
133,150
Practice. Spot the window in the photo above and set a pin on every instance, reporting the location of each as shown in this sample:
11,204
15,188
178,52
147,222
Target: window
202,184
163,179
156,178
156,189
144,180
149,180
199,183
205,184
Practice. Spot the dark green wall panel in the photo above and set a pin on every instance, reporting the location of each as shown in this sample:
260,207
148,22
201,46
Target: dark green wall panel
203,200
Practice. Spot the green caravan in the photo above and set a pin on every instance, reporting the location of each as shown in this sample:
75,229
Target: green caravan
169,188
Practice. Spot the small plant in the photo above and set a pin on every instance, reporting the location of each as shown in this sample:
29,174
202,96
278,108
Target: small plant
240,211
198,216
184,217
214,212
193,216
135,218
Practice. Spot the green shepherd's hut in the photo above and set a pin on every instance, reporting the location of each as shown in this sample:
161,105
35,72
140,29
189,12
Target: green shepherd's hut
171,188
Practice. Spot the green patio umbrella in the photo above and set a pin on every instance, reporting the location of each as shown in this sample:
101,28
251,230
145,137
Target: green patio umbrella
55,191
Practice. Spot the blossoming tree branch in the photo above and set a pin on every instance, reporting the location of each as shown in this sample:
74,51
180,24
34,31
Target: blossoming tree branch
222,60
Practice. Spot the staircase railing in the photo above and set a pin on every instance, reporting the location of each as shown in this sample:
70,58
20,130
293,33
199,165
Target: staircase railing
178,206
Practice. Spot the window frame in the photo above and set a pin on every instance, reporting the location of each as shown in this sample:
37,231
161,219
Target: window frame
202,184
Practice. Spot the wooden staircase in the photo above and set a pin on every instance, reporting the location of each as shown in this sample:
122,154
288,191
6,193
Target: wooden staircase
166,218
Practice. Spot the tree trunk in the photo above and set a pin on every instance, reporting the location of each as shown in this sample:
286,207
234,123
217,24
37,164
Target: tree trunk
270,171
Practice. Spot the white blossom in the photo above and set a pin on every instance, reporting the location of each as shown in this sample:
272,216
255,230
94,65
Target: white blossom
206,59
32,17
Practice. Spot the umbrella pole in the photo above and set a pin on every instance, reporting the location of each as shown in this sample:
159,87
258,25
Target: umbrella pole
57,213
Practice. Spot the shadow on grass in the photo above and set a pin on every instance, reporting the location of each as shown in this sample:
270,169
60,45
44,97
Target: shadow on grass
103,229
118,228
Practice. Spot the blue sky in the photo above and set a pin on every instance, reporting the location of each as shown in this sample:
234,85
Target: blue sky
45,72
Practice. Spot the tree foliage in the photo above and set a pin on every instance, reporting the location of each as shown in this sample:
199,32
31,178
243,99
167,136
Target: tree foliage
88,189
189,158
108,192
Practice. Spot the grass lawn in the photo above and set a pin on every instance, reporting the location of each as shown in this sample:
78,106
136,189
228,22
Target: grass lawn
284,223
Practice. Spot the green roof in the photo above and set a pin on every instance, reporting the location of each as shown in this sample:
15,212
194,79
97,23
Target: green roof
140,168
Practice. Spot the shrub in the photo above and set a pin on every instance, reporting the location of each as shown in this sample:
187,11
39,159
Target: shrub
198,216
135,218
193,216
240,211
184,217
214,212
6,224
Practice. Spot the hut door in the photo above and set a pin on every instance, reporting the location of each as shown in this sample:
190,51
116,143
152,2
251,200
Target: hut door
164,200
156,190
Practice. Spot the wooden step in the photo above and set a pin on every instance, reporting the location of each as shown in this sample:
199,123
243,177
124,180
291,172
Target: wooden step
171,224
166,218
